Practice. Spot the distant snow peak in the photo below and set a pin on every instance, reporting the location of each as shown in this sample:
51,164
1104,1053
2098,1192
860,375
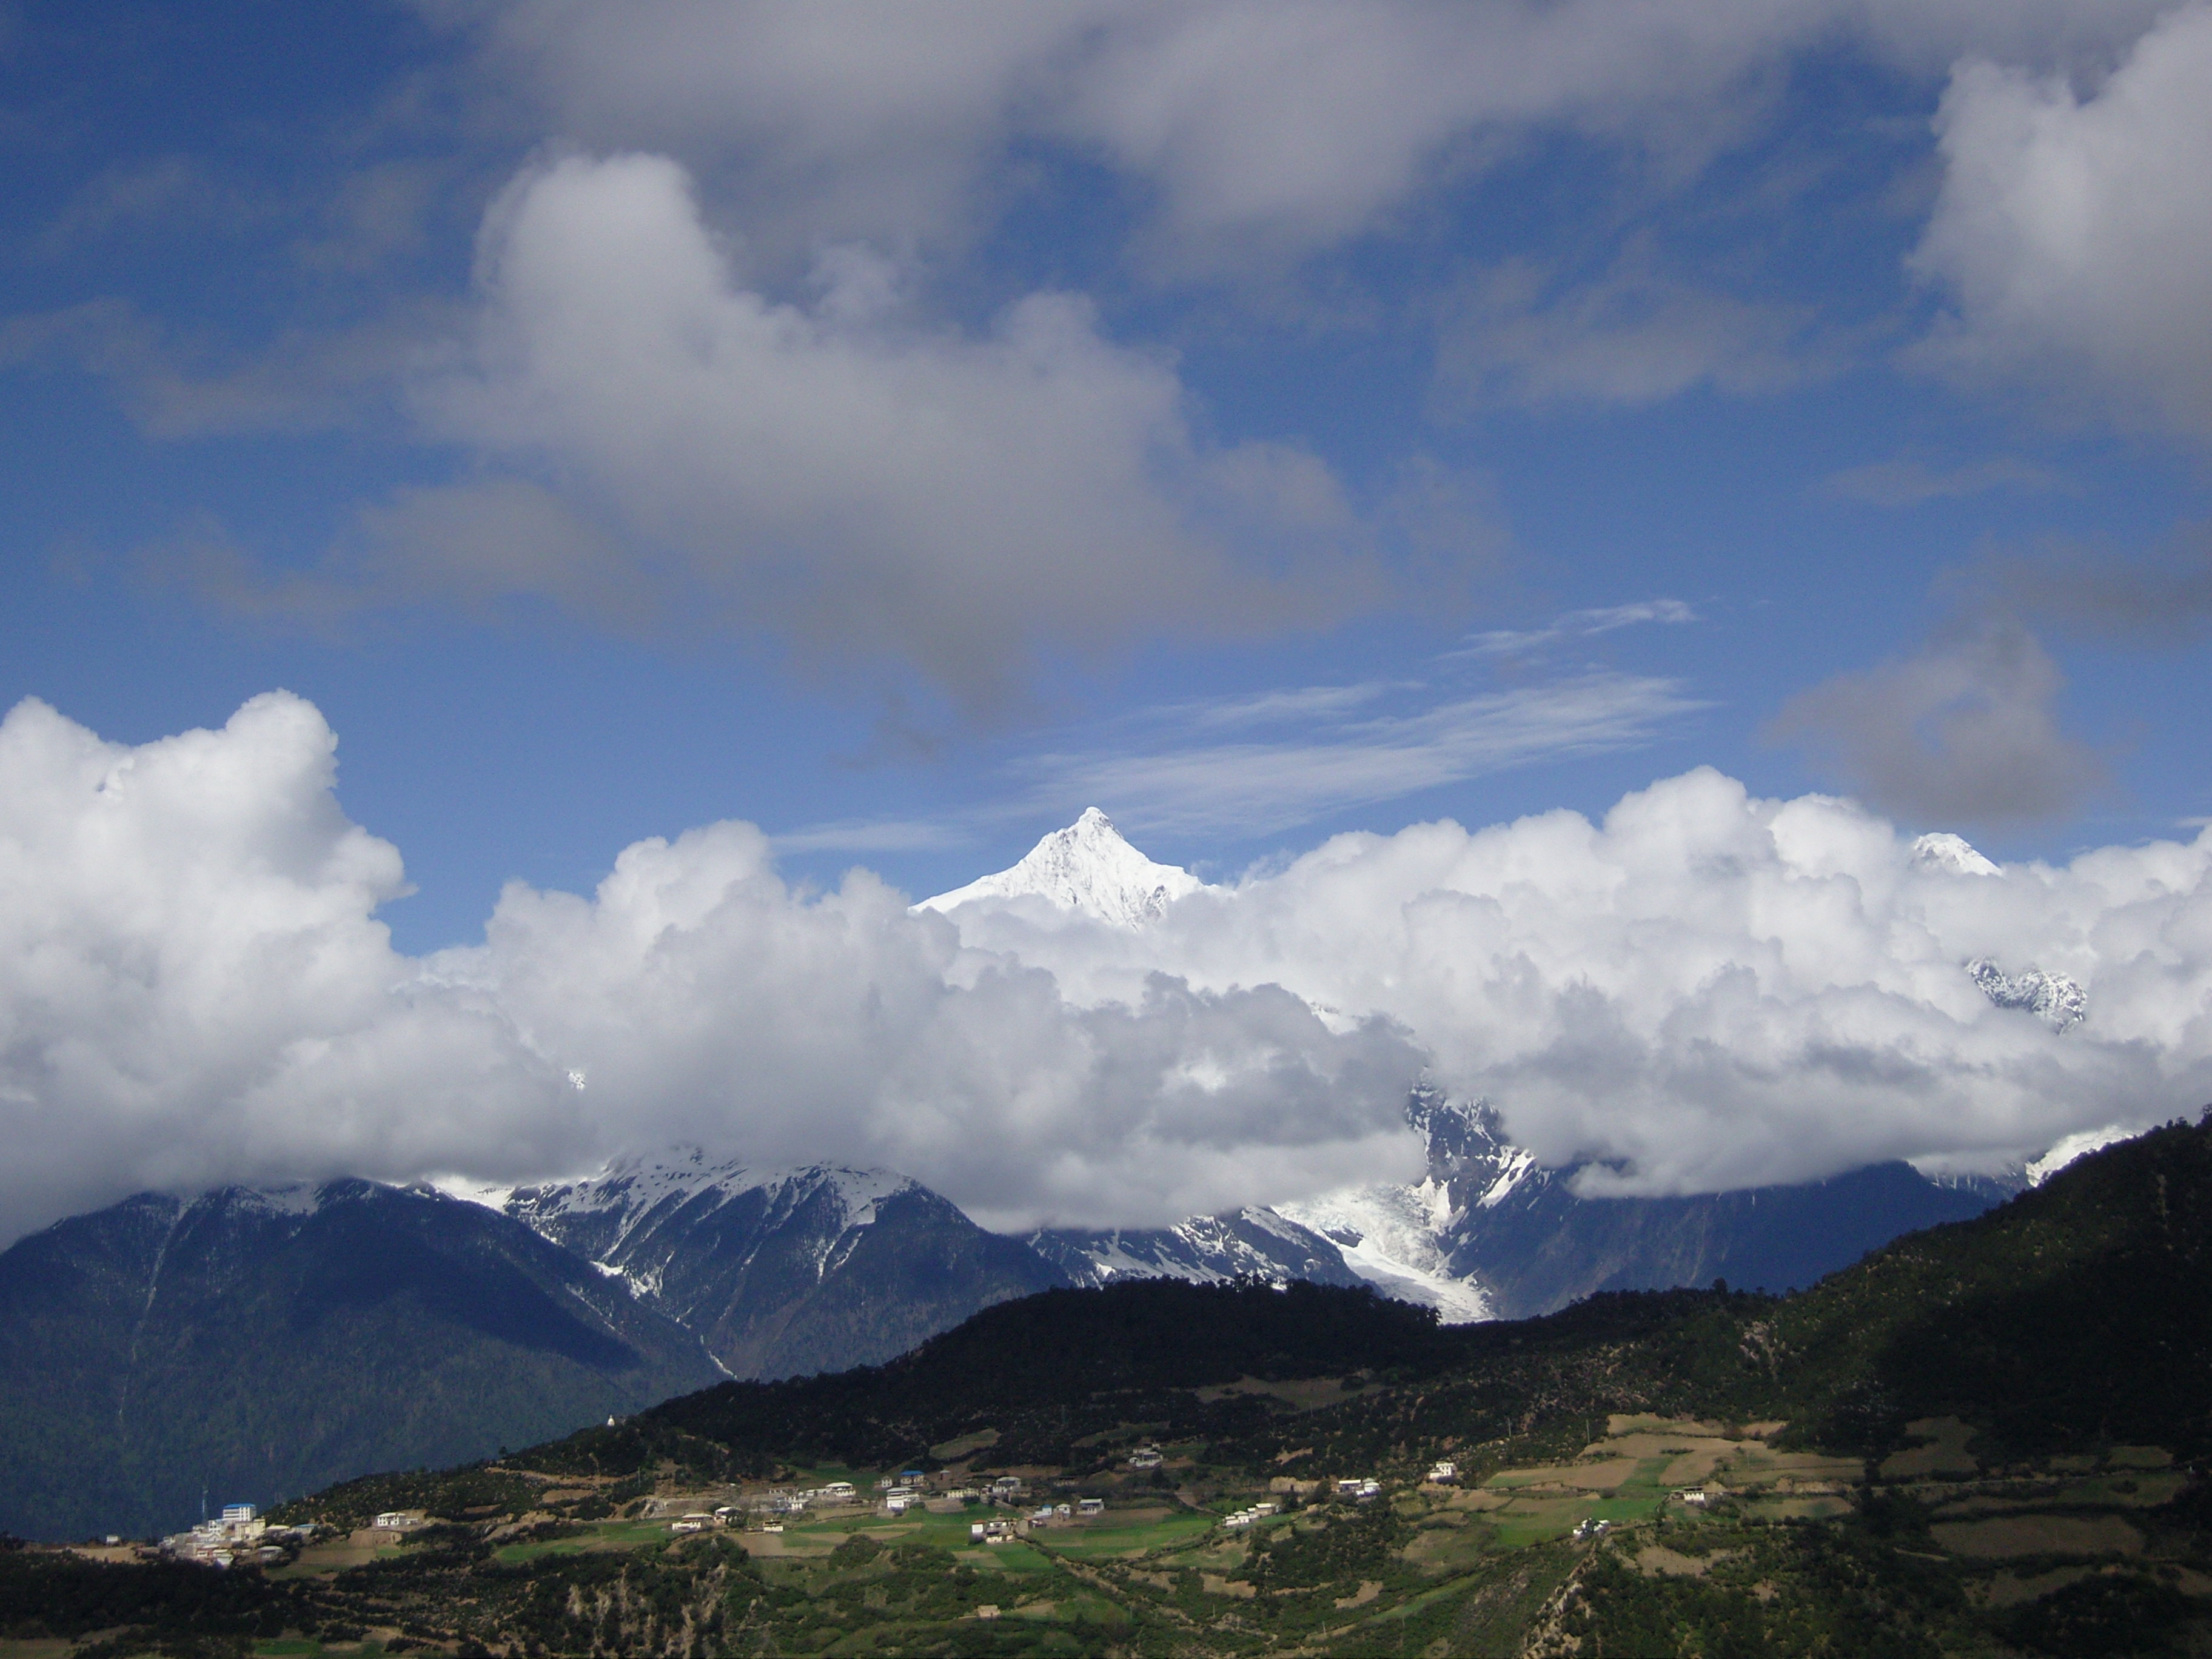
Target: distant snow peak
1087,868
2079,1144
1952,855
2055,999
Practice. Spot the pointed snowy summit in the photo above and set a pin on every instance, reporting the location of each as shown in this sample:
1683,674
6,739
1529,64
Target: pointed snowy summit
1086,867
1950,855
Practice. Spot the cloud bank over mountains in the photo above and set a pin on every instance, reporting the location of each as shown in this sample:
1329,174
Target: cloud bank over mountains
1707,988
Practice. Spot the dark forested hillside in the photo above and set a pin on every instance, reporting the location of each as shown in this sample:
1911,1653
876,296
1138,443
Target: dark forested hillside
250,1350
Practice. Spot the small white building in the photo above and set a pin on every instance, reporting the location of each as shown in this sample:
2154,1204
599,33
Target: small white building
1146,1457
1443,1473
1091,1506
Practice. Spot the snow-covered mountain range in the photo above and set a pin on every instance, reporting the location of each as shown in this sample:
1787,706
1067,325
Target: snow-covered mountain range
783,1272
1087,868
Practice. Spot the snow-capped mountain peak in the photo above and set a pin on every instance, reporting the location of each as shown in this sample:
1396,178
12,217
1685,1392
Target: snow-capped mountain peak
1951,855
1088,868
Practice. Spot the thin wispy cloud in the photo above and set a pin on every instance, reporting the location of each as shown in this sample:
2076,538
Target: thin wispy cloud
1257,763
1575,625
1262,786
1909,483
873,835
1271,708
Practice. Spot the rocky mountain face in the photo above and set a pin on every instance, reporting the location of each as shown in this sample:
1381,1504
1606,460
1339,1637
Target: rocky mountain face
255,1344
1516,1234
782,1272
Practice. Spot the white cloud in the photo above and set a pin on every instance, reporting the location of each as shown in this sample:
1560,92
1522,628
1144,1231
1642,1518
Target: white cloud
1717,989
2075,231
841,472
193,989
1712,988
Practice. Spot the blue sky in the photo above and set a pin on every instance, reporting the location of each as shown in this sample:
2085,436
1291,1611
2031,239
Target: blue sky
898,427
1574,326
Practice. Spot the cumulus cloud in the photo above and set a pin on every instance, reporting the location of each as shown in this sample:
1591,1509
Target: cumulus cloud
840,471
1704,989
1966,730
2073,230
1711,989
194,989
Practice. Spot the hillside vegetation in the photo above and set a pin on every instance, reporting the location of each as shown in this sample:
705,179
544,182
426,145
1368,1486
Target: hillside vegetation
1985,1438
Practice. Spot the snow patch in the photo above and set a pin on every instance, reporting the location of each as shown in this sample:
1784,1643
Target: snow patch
1518,1165
489,1195
2076,1146
1388,1236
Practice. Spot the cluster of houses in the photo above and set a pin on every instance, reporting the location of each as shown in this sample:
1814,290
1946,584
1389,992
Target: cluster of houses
707,1520
239,1535
911,1490
1248,1517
